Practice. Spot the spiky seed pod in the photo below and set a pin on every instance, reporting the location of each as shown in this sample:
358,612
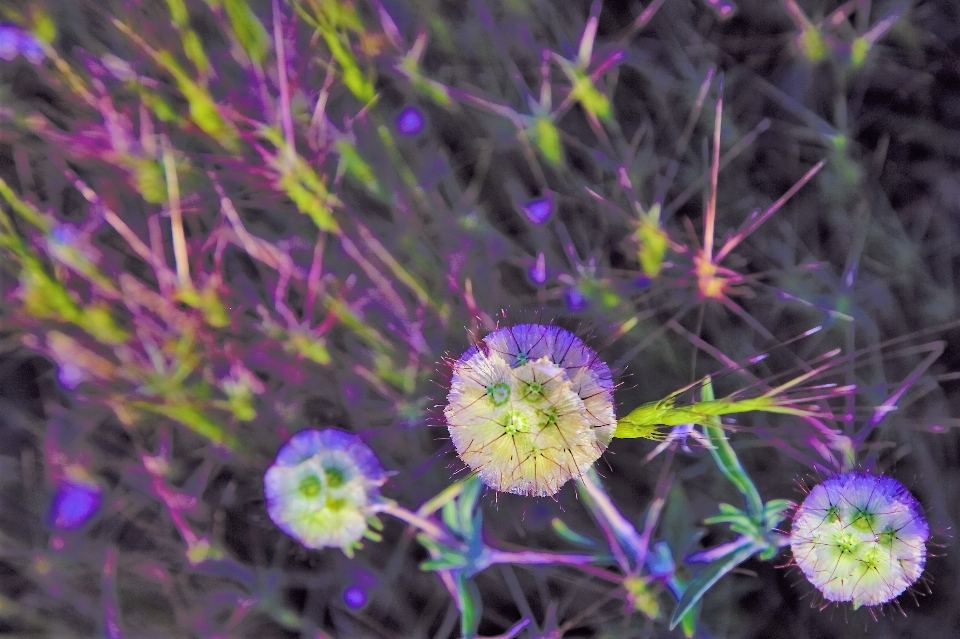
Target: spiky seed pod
860,537
530,408
321,487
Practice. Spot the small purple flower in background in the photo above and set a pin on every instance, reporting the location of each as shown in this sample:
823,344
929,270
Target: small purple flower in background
410,121
15,41
9,43
354,597
575,299
530,408
63,234
321,488
70,376
76,500
356,594
539,210
538,272
860,537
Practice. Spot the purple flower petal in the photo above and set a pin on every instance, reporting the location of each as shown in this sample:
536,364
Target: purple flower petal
538,272
539,210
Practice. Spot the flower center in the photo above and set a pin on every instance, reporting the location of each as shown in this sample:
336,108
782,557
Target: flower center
848,542
335,476
517,421
309,486
534,391
499,393
863,521
336,503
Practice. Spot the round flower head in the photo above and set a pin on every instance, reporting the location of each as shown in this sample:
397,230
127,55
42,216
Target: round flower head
530,408
321,488
861,538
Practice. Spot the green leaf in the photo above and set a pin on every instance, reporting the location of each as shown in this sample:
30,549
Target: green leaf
357,168
547,138
689,623
249,31
27,211
464,516
653,242
193,418
709,576
468,600
594,102
570,535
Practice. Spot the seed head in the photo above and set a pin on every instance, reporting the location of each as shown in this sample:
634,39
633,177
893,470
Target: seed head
321,487
861,538
530,408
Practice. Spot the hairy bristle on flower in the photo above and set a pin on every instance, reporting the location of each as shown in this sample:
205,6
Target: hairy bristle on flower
861,538
321,488
530,409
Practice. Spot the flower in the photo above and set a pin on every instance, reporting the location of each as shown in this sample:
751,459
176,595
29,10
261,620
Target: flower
530,408
860,537
322,487
76,500
539,210
410,121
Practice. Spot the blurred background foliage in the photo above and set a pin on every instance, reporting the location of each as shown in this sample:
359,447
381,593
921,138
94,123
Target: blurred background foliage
222,222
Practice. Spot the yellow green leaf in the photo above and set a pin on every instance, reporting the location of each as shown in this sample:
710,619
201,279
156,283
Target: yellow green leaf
547,138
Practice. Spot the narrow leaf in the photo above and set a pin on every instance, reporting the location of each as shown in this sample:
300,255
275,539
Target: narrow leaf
710,575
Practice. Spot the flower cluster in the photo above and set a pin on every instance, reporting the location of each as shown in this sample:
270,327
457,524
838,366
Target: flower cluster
530,408
861,538
322,487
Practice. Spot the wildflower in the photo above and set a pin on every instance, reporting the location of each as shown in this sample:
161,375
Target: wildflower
322,487
530,408
410,121
539,210
76,500
861,538
355,597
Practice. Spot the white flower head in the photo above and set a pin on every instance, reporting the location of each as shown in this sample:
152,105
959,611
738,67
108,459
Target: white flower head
861,538
530,408
321,487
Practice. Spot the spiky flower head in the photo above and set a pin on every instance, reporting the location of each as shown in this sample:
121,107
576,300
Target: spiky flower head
860,537
321,488
530,408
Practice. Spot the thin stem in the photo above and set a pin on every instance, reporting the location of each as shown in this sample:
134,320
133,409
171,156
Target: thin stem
607,515
282,75
711,215
436,503
413,519
176,217
532,557
757,220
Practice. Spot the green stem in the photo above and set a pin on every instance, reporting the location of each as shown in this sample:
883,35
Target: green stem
726,458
